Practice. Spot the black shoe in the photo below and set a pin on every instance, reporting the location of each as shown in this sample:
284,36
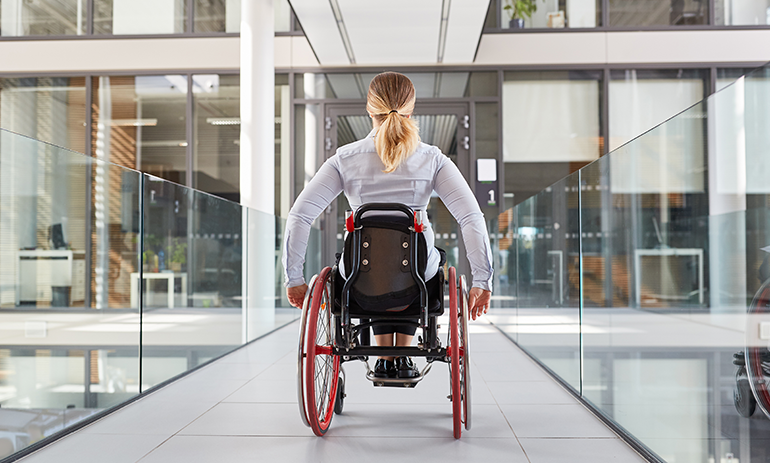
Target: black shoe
405,368
384,369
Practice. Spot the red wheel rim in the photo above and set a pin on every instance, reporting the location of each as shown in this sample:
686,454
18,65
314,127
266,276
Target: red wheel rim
454,348
321,366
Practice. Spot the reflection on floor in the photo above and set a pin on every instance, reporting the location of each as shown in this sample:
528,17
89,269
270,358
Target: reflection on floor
244,408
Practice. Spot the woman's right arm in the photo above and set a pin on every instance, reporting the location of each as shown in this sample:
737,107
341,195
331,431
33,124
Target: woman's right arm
459,199
318,194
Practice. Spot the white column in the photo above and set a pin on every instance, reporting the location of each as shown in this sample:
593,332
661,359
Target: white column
258,164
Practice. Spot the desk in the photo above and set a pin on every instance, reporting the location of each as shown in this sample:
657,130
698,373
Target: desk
666,252
170,276
38,270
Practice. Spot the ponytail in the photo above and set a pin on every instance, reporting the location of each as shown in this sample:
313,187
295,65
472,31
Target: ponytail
391,101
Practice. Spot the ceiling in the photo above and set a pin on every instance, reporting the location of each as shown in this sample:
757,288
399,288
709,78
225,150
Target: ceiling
402,32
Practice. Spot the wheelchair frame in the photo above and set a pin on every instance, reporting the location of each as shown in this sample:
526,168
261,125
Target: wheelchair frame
328,340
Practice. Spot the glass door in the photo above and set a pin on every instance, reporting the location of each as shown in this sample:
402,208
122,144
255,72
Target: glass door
443,125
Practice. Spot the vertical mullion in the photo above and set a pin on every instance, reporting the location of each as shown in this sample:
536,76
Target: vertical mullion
501,167
605,110
712,13
291,121
712,84
580,281
189,114
140,256
190,16
90,17
605,13
88,192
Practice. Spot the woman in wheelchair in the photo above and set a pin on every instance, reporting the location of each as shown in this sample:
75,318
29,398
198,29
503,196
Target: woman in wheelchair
392,166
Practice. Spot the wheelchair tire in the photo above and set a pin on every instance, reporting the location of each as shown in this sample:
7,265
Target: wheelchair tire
302,354
757,349
322,367
454,354
465,359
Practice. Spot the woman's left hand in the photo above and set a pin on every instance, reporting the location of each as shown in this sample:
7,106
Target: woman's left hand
296,295
478,302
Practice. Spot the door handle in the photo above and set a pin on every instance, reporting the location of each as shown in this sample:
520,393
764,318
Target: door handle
467,142
328,144
466,121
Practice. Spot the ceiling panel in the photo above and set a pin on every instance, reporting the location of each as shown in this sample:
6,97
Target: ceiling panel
396,32
321,30
466,21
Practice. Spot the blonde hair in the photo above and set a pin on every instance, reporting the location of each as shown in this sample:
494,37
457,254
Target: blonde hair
390,101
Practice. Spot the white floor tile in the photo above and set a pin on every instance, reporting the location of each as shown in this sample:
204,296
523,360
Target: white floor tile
261,391
97,448
163,417
248,419
529,392
579,451
554,421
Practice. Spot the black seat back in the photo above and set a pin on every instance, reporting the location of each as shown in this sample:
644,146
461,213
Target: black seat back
385,281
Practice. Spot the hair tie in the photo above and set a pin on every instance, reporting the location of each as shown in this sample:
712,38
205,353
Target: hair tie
393,111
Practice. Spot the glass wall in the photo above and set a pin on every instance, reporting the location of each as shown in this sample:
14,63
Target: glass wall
20,18
551,14
657,314
43,17
742,12
113,281
52,109
640,99
629,13
132,17
225,16
551,127
217,133
139,122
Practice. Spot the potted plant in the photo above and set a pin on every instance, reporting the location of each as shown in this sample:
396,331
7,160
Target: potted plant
518,10
178,254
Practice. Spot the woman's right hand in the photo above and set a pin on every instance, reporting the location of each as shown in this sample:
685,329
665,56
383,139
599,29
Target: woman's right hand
478,302
296,295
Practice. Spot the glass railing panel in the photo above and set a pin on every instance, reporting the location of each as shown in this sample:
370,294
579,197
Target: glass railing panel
68,243
645,245
548,296
192,279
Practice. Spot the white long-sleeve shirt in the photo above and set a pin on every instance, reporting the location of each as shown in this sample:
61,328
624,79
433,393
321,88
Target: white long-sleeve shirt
356,170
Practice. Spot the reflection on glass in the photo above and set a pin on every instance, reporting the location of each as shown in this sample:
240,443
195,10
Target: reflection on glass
42,17
120,17
625,13
640,99
140,122
225,16
667,262
742,13
551,127
552,14
51,109
61,360
216,150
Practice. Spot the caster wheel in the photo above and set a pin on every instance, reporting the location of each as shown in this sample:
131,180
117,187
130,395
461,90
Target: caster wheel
339,403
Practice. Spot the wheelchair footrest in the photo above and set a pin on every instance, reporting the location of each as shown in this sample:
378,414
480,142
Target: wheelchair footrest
396,382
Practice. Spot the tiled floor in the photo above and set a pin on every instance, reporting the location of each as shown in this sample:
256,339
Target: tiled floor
243,408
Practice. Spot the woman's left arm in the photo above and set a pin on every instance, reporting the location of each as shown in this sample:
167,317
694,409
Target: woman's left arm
318,194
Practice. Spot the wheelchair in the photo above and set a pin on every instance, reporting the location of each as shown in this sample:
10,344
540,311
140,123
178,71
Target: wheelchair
385,257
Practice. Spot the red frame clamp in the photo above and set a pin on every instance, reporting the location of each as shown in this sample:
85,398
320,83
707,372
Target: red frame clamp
349,226
418,224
